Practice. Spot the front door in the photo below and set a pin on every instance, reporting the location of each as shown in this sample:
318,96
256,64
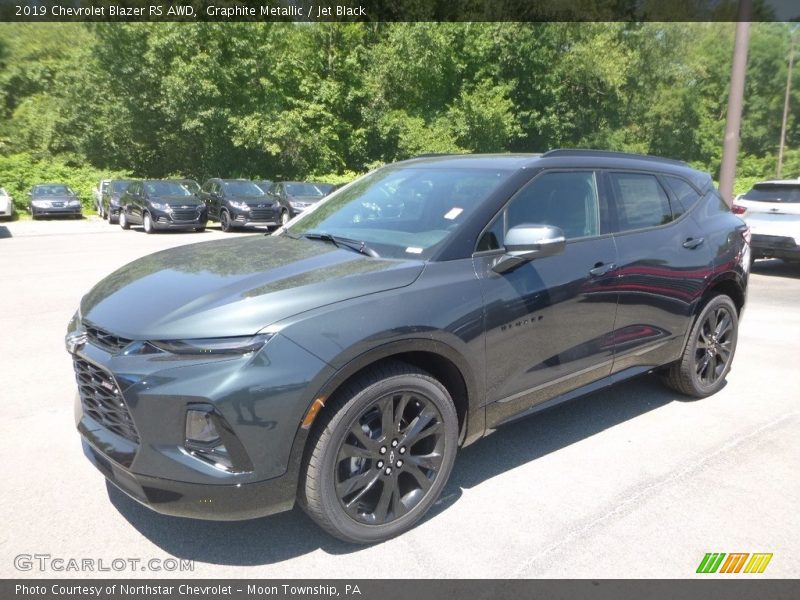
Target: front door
549,323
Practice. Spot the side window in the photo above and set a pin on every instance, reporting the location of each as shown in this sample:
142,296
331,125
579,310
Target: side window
687,195
207,187
640,201
565,199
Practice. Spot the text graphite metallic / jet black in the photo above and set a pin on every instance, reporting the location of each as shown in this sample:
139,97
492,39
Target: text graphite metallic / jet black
341,361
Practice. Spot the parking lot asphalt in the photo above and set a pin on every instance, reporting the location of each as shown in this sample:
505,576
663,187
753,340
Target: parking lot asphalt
634,481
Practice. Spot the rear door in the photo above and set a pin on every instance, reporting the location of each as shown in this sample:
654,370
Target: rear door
549,322
664,264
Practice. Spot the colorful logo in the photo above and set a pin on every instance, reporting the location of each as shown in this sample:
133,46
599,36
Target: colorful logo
734,563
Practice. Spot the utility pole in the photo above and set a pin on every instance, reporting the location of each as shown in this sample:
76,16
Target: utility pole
730,145
786,102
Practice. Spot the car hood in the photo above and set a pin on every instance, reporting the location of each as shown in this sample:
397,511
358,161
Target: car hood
234,287
310,199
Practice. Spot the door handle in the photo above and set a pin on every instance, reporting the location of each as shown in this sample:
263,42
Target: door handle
601,269
692,243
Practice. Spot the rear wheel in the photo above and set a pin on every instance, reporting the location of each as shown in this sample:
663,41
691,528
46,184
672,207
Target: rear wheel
708,355
380,455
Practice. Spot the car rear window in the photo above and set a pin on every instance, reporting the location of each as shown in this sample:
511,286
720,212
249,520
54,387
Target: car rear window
772,192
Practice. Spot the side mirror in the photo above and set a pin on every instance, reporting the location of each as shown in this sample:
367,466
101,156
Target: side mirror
529,241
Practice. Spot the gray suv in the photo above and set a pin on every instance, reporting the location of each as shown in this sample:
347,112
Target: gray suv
342,361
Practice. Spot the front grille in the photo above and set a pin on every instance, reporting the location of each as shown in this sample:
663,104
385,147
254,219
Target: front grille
262,214
102,400
105,340
184,214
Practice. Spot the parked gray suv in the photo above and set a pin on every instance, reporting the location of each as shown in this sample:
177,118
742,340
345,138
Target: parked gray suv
343,360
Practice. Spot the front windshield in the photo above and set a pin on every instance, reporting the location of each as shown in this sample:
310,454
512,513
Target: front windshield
304,189
166,188
242,188
119,186
52,190
403,212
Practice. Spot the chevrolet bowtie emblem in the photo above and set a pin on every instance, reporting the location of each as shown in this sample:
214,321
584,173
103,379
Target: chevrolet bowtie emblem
75,341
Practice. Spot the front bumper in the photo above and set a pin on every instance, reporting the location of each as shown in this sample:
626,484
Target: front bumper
55,210
774,246
251,393
257,217
179,220
198,501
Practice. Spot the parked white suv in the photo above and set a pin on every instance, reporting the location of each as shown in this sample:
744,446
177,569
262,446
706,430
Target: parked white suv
772,210
6,204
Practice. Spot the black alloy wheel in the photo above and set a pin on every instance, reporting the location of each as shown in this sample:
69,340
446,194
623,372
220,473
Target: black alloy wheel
382,456
707,358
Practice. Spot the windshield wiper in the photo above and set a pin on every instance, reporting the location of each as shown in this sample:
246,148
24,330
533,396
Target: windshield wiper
341,242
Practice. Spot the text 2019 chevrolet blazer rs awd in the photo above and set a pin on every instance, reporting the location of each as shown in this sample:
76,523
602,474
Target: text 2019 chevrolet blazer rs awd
341,361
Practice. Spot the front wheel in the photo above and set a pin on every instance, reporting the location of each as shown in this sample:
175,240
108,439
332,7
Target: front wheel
708,355
380,454
225,222
285,218
123,220
147,223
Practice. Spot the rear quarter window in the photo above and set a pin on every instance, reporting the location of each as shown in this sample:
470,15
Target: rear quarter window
687,196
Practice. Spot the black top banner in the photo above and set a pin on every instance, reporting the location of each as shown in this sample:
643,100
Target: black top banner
398,10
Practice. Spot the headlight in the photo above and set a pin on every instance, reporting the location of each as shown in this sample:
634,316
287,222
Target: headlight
240,205
74,203
298,205
158,205
228,345
40,203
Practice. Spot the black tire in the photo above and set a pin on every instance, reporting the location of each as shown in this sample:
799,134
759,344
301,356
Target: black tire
147,223
123,220
285,217
398,482
200,228
709,351
225,221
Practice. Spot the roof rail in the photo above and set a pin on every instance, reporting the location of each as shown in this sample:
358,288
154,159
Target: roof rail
433,154
610,154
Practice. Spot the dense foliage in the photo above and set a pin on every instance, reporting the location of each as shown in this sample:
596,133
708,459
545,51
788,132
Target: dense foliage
282,100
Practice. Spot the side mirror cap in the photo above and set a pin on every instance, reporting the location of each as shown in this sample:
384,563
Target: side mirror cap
527,242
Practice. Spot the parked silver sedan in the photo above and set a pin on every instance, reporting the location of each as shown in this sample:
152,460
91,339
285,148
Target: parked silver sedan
6,204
